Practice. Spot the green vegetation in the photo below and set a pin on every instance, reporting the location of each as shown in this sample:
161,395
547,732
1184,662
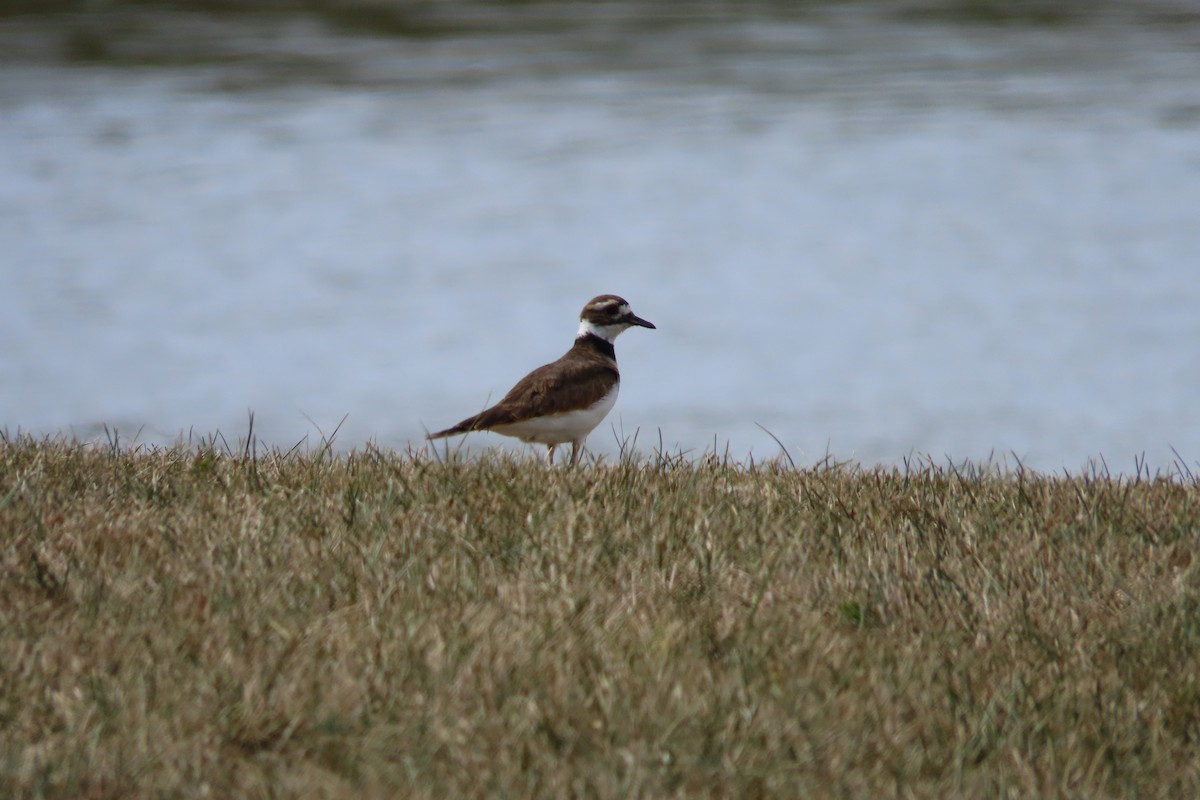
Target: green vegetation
204,622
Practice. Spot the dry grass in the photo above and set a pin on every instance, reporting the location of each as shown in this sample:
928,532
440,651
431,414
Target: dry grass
189,623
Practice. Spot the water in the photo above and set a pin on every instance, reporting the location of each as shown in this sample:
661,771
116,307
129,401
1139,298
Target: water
874,236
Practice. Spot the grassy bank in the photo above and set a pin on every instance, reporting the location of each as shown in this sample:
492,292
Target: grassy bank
203,623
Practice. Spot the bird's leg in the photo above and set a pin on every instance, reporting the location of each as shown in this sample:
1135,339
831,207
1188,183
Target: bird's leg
576,451
550,454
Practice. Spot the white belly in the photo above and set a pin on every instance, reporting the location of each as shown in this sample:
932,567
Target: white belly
572,426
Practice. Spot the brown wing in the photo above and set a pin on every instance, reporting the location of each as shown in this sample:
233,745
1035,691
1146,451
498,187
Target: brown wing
551,389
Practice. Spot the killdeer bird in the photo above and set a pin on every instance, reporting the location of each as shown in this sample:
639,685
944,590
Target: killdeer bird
564,401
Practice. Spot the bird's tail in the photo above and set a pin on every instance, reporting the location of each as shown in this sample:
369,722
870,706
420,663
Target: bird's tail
465,426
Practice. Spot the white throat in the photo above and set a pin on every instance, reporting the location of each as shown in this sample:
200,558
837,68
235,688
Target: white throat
608,333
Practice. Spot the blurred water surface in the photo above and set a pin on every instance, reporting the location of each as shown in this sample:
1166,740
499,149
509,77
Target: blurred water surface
873,233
